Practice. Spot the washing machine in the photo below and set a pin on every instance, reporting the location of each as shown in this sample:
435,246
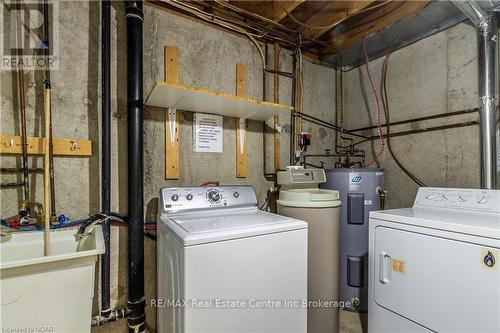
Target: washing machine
301,198
434,267
224,266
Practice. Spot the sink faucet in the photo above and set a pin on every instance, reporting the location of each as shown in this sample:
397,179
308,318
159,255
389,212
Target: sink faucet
88,226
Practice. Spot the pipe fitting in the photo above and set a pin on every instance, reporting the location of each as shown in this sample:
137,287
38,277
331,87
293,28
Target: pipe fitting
112,316
486,101
382,193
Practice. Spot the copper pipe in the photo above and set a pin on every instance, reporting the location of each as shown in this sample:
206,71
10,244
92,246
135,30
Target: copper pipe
413,120
423,130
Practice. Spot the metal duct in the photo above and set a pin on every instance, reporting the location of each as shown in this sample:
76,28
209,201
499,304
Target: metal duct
487,35
136,301
434,18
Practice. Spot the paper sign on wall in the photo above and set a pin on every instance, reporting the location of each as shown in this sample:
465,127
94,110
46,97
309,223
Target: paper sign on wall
207,133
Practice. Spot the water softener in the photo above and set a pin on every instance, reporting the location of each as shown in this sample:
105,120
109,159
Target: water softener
359,193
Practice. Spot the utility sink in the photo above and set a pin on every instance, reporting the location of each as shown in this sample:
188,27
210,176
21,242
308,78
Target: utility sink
48,293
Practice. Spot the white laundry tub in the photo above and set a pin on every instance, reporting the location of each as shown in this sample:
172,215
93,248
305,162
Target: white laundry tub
48,293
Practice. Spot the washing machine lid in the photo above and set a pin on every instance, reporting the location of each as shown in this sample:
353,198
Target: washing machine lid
309,197
226,224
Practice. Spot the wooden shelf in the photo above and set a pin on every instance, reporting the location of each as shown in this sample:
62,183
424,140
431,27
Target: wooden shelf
170,95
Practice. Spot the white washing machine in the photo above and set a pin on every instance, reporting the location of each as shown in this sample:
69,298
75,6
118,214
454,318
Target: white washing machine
226,267
435,267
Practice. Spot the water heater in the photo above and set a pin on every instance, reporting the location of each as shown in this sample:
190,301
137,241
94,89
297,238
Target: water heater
359,193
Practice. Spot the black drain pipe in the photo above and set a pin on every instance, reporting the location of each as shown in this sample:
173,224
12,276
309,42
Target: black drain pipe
106,152
136,300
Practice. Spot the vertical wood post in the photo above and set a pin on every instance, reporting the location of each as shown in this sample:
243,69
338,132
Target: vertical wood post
241,133
46,190
172,151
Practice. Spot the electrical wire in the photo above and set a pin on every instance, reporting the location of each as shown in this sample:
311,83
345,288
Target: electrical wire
265,205
231,26
210,182
260,17
33,22
211,18
235,25
375,95
385,102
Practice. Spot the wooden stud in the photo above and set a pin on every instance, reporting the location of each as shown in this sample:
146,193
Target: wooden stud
46,173
271,9
241,80
276,88
333,13
241,133
241,156
172,150
277,14
171,64
11,144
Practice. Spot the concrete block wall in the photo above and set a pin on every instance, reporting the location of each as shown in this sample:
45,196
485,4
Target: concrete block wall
208,59
435,75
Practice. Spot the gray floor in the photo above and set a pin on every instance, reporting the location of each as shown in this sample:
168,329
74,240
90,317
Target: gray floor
351,322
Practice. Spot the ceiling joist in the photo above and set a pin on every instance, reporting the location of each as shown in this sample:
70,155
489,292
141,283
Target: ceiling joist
331,15
326,27
273,10
370,23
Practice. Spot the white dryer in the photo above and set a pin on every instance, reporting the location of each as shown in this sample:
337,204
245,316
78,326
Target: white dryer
226,267
435,267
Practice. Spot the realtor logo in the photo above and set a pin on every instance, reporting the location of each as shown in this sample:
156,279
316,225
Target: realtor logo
22,35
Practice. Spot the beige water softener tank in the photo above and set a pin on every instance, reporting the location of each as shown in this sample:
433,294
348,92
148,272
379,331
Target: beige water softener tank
301,198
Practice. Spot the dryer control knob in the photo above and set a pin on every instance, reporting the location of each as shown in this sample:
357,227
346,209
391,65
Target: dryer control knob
483,200
174,197
189,196
236,194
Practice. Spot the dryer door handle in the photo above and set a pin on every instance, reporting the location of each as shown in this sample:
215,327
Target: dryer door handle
385,263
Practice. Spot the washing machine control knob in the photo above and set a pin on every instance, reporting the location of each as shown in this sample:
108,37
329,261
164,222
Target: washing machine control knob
174,197
213,196
483,200
236,194
189,196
